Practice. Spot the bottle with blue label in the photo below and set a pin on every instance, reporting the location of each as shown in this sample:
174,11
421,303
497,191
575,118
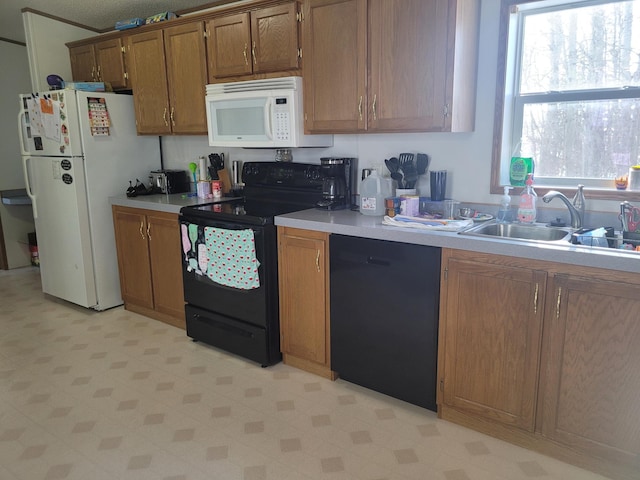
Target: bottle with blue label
527,207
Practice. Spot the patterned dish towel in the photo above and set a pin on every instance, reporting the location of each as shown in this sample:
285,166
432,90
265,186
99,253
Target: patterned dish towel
232,258
426,223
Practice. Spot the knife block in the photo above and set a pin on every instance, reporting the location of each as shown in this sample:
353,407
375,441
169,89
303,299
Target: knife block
223,175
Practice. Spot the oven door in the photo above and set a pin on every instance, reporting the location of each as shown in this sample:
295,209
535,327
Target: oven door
256,306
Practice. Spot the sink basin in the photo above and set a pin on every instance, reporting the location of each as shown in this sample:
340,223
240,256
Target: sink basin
538,232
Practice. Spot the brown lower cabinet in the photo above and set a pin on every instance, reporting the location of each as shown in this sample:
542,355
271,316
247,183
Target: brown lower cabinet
543,355
303,273
148,246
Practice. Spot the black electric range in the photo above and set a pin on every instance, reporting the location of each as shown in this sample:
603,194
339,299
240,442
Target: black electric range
229,305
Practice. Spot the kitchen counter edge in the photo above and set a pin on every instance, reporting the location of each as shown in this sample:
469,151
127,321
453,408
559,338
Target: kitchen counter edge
346,222
171,203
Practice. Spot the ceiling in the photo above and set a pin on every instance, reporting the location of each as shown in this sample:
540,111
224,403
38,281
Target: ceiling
100,15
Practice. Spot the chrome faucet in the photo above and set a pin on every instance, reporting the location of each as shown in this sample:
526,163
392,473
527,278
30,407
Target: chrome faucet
576,217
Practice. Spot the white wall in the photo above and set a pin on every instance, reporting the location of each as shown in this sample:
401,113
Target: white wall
47,52
17,221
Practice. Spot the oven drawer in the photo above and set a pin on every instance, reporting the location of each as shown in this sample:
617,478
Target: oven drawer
255,343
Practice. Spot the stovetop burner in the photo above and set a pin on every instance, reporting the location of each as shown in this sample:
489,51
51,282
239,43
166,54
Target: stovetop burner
249,211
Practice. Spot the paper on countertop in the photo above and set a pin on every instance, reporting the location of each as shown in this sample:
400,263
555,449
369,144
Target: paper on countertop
426,223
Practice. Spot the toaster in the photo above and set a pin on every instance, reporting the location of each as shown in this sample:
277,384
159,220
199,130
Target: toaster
169,181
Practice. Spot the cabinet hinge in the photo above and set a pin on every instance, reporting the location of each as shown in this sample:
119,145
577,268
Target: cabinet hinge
445,111
300,52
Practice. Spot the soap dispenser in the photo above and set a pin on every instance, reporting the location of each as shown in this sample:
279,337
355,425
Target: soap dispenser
527,206
504,213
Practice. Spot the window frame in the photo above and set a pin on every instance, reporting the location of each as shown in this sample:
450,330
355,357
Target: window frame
504,96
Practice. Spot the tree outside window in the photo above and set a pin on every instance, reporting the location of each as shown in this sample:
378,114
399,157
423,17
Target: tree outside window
571,91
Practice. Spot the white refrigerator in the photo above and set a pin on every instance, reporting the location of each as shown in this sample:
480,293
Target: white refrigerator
79,149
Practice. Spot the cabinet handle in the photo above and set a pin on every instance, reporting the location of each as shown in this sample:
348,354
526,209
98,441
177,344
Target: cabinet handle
318,260
164,117
535,300
142,229
246,61
558,303
148,231
253,53
93,73
373,107
99,74
360,107
171,116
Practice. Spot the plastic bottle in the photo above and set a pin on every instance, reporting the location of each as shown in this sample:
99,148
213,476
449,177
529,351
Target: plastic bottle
527,206
373,191
522,164
504,213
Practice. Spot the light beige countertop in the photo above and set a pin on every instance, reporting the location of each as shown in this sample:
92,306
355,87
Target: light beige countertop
346,222
161,202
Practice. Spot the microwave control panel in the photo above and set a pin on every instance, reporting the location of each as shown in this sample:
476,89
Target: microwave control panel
282,126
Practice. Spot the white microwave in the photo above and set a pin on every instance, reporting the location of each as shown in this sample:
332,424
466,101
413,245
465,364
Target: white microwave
259,113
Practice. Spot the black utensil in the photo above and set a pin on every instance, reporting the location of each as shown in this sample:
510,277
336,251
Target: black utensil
392,164
410,174
397,176
405,158
422,163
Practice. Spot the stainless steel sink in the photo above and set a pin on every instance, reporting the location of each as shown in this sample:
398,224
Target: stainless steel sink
538,232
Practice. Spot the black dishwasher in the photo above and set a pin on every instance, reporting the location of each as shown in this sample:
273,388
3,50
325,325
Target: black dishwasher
384,316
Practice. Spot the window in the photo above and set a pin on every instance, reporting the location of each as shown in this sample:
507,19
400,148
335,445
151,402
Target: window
571,87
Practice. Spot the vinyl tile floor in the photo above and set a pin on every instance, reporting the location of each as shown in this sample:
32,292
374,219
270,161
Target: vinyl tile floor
109,395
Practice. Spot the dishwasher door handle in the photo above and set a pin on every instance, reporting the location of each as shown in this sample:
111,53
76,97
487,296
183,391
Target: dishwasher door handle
378,261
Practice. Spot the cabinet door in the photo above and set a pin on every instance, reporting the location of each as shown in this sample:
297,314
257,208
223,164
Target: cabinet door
110,63
187,77
408,49
166,265
335,65
83,63
229,46
492,340
303,314
592,377
148,70
274,38
133,257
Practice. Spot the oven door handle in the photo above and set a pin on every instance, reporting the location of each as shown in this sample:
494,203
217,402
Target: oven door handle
221,225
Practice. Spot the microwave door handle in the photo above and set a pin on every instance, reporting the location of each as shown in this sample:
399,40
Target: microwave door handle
267,118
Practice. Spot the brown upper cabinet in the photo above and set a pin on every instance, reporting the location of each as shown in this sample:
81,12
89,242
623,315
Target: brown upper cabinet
100,61
390,65
169,74
263,40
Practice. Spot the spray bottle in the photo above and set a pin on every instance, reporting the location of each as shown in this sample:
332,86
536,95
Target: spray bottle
527,206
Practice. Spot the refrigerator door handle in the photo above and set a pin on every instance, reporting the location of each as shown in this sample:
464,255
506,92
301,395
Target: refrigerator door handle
27,183
21,116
